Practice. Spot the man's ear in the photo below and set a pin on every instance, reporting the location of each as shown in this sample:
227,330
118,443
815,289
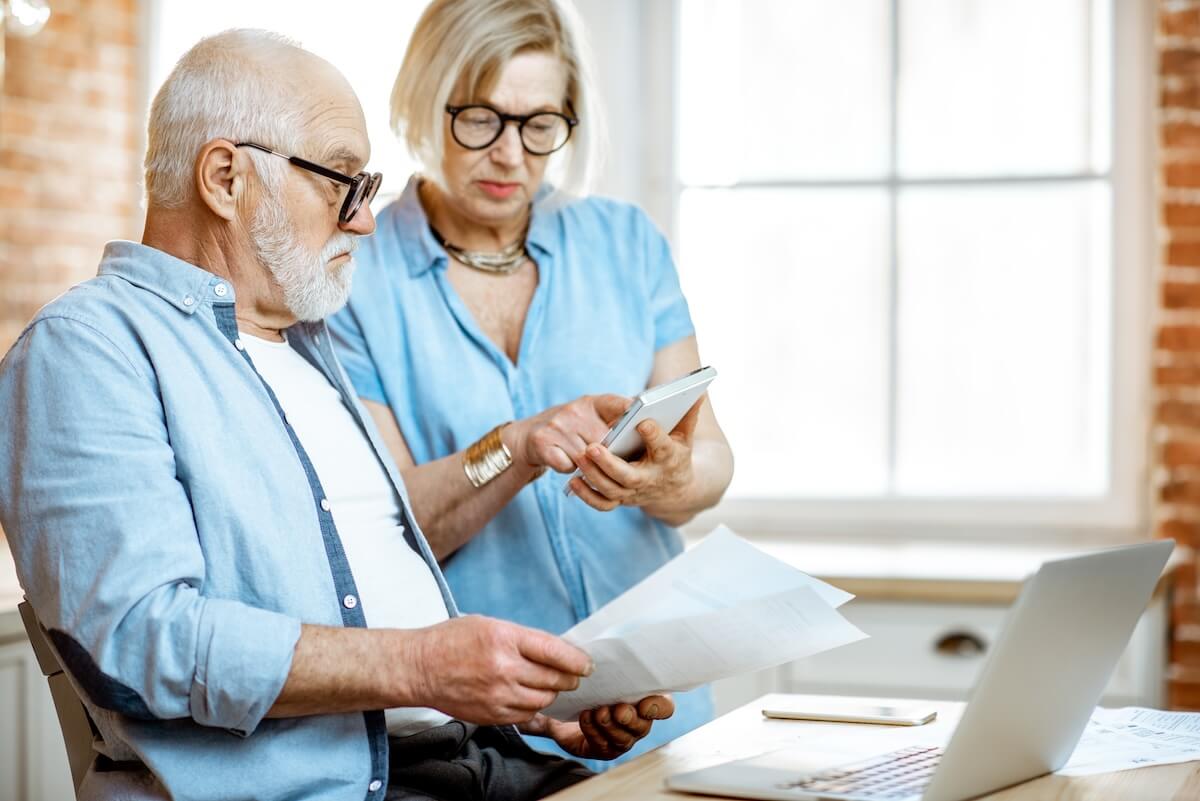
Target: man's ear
222,177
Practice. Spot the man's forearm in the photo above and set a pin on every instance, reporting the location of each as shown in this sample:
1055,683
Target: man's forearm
470,667
338,670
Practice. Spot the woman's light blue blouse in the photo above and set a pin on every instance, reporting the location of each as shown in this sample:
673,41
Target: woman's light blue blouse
608,298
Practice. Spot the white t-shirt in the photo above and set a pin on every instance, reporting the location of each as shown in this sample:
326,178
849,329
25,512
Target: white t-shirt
395,585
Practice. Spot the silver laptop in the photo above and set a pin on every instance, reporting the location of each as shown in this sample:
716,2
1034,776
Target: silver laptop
1060,642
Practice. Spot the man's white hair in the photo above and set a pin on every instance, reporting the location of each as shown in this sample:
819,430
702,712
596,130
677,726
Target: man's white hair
226,86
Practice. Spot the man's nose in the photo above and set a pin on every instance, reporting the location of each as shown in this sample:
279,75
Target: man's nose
362,223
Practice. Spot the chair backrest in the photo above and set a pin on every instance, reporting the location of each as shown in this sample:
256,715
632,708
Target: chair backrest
77,730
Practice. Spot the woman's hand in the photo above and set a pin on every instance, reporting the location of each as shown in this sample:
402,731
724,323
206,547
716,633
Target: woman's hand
663,472
605,732
558,437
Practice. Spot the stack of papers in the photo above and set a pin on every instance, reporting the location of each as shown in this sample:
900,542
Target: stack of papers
1134,737
720,609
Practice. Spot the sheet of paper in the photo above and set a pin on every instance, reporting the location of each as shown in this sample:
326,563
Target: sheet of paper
720,570
720,609
1134,737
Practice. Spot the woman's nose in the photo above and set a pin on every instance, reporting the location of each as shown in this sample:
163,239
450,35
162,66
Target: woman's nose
508,149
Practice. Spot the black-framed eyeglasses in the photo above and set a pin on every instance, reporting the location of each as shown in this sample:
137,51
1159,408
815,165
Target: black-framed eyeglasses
477,126
362,186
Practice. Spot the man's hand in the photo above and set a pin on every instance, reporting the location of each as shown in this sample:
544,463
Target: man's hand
605,732
663,472
558,437
490,671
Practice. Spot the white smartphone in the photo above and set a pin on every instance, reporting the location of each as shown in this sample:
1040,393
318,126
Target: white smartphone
850,711
665,404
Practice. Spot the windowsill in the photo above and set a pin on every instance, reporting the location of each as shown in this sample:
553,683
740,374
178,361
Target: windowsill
1083,522
927,570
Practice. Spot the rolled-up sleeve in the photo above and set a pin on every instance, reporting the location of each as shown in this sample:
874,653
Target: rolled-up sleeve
105,543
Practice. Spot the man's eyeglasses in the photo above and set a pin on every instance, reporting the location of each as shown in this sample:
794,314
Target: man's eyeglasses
362,186
477,126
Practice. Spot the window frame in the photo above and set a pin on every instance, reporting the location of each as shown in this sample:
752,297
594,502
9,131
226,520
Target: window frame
1120,514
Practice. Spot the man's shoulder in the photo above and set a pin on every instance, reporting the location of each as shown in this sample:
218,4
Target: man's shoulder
101,302
104,309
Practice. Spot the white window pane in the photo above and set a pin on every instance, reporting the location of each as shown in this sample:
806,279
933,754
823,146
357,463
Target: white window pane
997,86
369,57
789,295
1004,338
773,89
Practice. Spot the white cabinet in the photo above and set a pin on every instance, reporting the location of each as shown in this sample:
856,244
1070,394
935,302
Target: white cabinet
33,760
935,650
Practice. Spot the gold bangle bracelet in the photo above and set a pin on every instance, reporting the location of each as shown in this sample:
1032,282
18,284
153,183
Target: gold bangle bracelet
486,458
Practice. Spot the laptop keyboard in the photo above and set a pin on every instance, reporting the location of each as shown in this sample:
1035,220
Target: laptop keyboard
894,775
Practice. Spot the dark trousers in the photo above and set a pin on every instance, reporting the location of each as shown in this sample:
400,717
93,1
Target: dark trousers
464,762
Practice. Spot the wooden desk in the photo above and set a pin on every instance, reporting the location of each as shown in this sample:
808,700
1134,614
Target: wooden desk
744,733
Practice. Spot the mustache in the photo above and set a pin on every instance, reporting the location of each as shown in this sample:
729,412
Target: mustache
337,245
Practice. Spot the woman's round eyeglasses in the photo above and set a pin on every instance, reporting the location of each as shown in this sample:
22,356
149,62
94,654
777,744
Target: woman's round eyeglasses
477,126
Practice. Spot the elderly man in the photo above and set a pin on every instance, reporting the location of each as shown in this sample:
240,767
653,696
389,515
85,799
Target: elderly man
206,521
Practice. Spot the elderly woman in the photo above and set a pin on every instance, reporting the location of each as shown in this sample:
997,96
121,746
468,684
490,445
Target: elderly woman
498,325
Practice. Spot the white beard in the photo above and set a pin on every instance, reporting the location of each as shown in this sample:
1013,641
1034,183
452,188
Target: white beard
311,291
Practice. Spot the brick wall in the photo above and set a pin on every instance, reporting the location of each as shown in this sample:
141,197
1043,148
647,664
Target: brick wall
1177,338
70,142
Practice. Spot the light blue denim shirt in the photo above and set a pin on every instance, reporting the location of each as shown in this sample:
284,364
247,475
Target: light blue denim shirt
168,529
608,299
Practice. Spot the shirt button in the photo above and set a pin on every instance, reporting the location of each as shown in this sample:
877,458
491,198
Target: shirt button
374,786
237,343
325,504
349,602
220,290
188,300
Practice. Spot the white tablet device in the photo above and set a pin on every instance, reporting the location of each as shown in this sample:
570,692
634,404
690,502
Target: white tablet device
665,404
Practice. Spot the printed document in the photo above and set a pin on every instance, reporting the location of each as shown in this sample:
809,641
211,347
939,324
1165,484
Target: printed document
719,609
1134,737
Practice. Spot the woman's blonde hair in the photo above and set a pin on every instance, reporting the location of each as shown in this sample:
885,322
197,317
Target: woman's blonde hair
459,48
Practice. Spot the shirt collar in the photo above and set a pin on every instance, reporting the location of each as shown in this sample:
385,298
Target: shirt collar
424,253
185,286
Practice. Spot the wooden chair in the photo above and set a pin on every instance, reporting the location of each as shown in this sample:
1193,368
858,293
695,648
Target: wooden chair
78,732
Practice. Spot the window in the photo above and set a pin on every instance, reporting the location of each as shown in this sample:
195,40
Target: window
900,225
915,243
